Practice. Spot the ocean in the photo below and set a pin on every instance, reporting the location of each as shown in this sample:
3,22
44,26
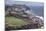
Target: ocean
38,10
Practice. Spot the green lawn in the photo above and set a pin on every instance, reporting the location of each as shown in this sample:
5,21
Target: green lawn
14,21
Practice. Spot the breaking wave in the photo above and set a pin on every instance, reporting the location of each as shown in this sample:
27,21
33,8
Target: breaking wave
40,17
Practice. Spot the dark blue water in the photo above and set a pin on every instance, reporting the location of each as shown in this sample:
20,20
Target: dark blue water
38,10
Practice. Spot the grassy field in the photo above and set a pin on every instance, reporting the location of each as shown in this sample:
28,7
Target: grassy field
14,21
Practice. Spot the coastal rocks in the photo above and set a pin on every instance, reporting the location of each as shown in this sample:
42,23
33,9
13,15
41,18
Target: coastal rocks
38,21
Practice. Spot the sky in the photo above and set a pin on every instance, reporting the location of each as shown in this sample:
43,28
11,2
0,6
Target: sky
21,2
27,0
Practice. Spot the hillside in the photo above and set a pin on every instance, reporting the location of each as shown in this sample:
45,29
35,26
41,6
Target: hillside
22,17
